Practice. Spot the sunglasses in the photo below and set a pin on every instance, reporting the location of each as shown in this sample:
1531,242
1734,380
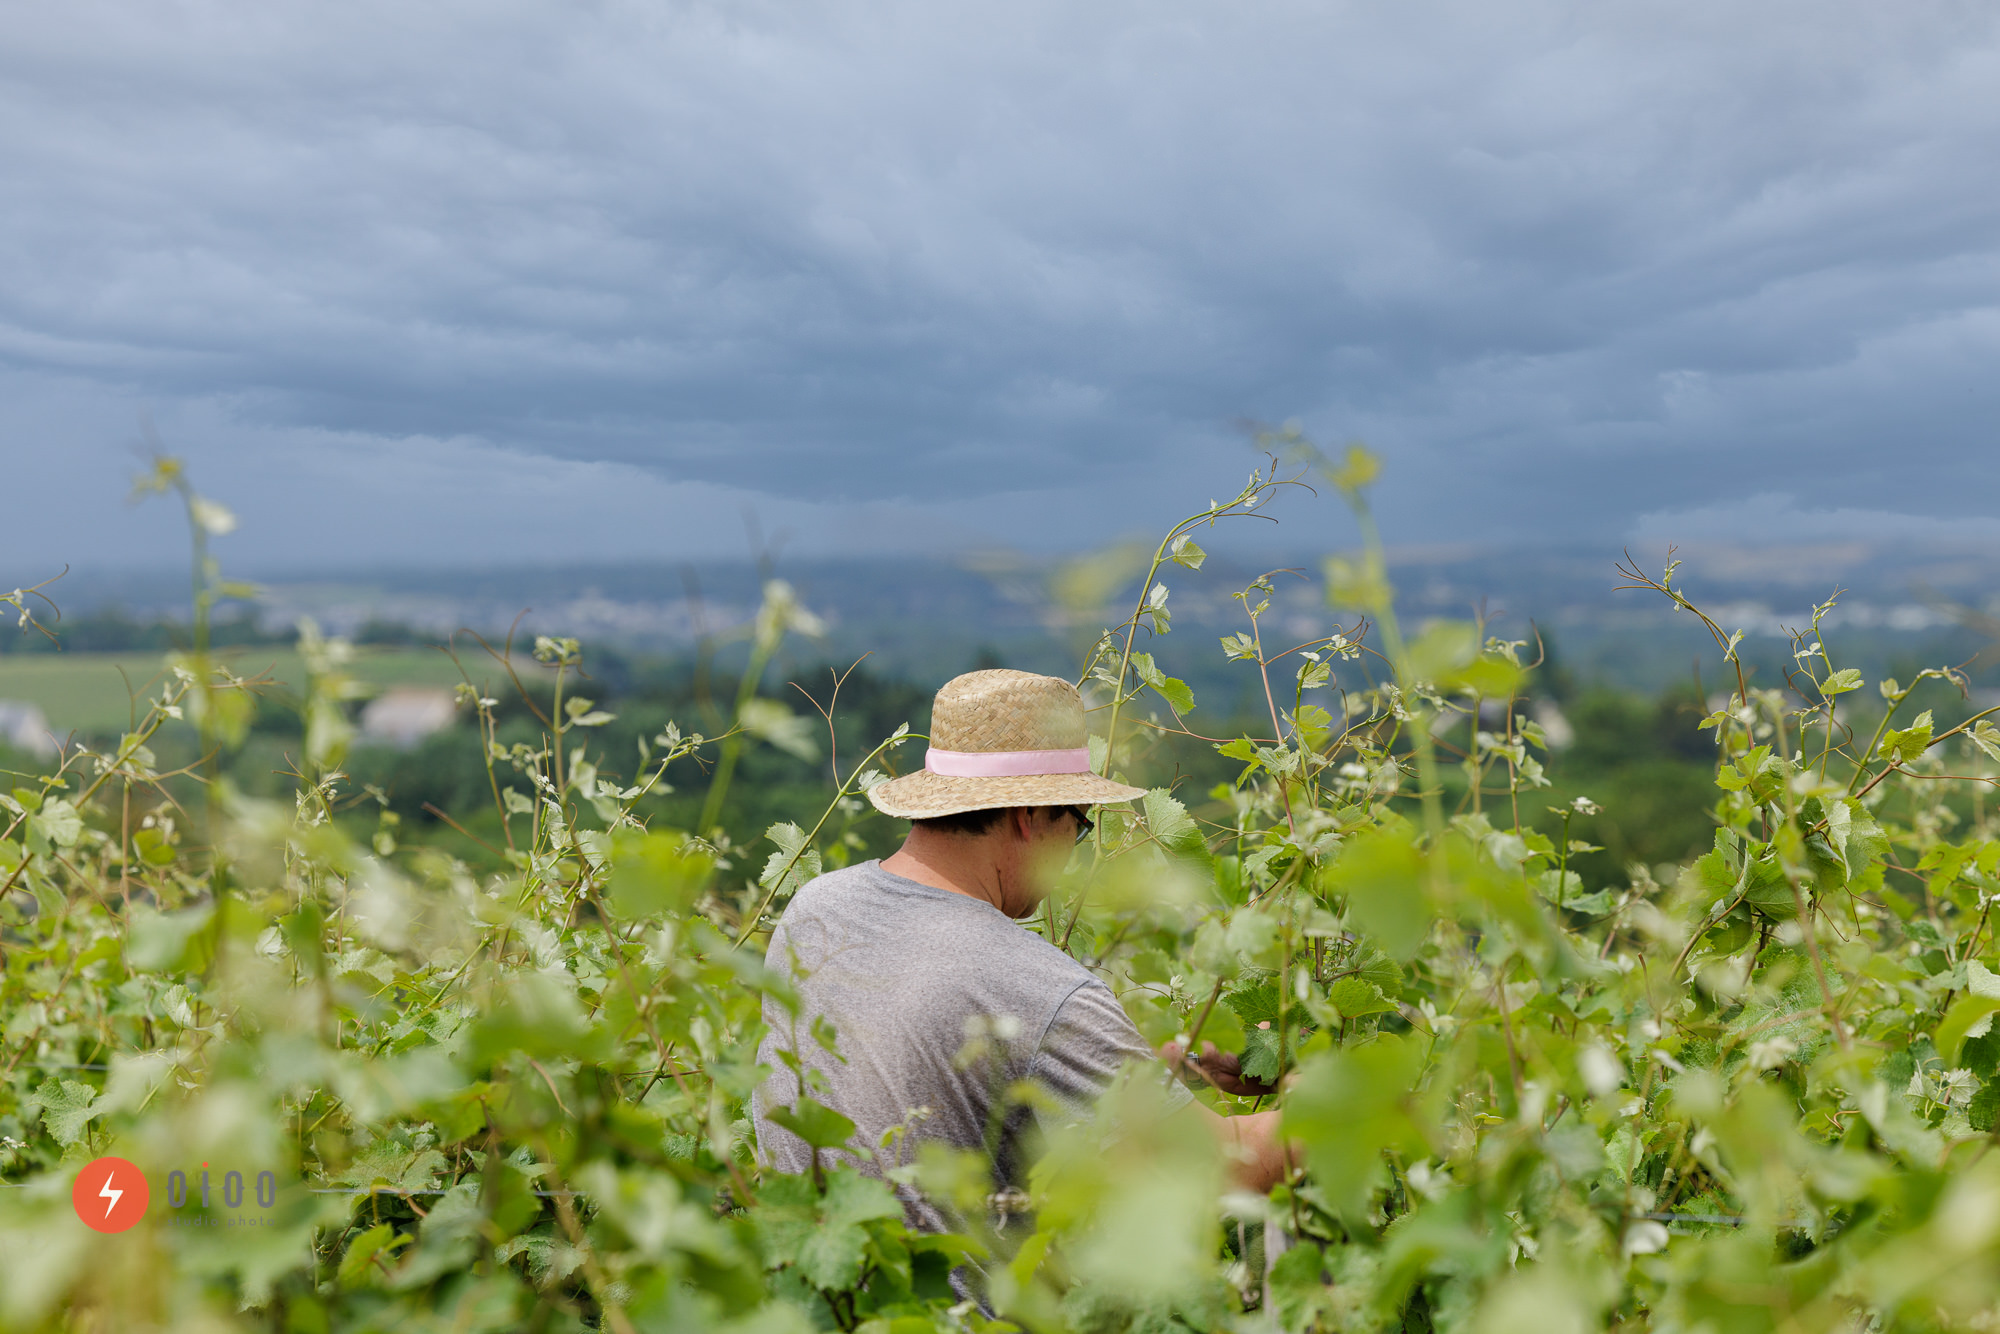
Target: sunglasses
1083,822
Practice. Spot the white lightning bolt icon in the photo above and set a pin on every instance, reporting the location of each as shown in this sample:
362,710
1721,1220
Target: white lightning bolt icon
111,1194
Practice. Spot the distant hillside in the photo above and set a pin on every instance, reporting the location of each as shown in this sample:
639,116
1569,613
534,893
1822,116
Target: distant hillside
925,620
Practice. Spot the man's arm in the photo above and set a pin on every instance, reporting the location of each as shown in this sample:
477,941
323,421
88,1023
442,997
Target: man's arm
1258,1159
1091,1037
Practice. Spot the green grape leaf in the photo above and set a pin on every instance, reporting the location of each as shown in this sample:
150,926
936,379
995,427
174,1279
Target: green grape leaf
1965,1014
174,942
1175,692
1987,737
1348,1106
1985,1103
657,873
1356,996
1172,827
1259,1058
770,721
1381,875
793,864
357,1267
1255,1004
815,1123
1904,746
1222,1028
66,1109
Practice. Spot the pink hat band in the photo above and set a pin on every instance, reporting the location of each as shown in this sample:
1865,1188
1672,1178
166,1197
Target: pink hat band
1006,763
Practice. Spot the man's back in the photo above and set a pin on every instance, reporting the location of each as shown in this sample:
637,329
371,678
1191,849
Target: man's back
939,1003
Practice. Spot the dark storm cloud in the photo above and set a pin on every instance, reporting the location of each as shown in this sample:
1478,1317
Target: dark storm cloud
1567,264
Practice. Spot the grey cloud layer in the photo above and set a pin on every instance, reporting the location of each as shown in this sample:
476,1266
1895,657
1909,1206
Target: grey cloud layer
1551,256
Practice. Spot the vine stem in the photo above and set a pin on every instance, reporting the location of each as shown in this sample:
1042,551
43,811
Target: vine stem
732,744
1897,768
1258,486
1819,966
1399,656
1664,587
600,1284
750,923
1277,728
1201,1020
1695,936
1507,1027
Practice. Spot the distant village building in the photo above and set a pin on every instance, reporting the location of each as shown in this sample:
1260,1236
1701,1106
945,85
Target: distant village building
1555,726
25,727
401,716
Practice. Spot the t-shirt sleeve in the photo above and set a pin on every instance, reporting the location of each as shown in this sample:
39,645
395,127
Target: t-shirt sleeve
1090,1039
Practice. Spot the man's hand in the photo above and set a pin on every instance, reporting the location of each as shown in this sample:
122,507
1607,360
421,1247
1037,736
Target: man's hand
1222,1069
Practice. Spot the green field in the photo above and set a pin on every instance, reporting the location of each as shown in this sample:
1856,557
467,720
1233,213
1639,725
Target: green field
93,693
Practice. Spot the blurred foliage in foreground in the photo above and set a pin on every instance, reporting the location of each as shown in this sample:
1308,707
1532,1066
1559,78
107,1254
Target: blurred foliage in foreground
1754,1091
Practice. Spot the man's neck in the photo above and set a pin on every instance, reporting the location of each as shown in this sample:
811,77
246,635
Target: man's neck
944,861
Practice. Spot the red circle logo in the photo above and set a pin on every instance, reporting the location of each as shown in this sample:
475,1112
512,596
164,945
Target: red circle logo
110,1194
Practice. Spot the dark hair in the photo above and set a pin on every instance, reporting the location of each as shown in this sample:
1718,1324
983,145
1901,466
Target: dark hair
978,822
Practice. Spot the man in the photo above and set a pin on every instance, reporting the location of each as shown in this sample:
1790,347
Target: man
939,1001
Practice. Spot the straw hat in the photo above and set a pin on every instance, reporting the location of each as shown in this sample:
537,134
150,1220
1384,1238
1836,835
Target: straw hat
1002,738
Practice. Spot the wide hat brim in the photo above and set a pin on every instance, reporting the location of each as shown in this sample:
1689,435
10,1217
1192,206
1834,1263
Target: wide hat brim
926,796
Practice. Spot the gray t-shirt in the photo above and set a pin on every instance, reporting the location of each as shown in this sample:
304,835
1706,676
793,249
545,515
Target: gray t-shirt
938,1001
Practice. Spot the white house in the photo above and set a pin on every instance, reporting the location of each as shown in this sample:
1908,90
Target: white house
24,727
401,716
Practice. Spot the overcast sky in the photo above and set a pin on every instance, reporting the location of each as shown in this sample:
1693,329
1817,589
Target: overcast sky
492,281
